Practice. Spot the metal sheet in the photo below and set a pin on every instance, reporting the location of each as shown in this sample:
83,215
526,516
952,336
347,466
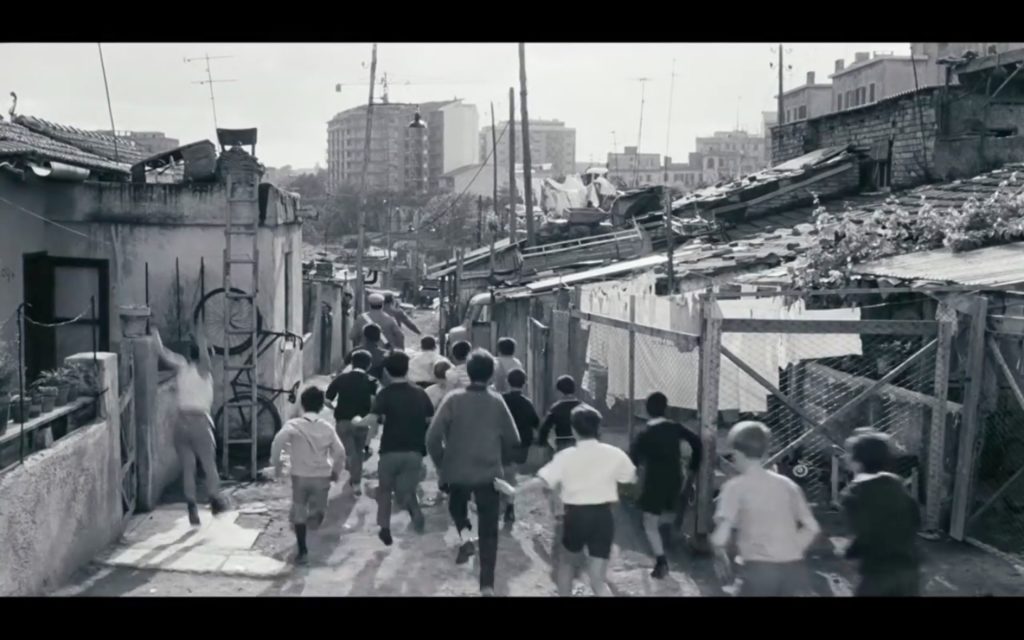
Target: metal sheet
992,266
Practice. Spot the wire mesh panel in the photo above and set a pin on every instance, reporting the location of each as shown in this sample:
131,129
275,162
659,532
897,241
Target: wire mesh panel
997,507
812,390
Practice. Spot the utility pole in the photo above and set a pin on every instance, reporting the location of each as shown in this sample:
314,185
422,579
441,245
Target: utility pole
778,118
210,81
479,220
361,247
527,167
512,221
494,159
639,135
669,237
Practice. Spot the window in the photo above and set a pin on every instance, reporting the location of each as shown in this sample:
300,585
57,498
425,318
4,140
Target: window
849,100
802,114
871,92
711,163
288,291
862,96
787,118
839,102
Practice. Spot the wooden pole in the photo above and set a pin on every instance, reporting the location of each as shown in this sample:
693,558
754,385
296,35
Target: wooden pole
632,367
479,220
670,244
361,250
970,428
512,164
935,461
527,167
494,159
710,362
778,106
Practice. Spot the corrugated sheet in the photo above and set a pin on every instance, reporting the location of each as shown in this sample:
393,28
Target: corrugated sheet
18,141
992,266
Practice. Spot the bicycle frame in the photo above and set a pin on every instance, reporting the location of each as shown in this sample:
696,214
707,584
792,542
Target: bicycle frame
264,342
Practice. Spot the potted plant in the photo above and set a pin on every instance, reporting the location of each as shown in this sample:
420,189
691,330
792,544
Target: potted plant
58,379
15,409
133,319
47,397
34,404
72,374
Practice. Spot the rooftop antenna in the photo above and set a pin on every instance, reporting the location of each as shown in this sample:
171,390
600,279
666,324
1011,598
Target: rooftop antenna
210,81
639,135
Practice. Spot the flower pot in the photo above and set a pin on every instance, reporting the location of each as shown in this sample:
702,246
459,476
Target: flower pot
15,409
63,390
35,409
47,398
133,320
73,391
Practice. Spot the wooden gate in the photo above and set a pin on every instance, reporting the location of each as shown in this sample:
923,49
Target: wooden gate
897,384
126,407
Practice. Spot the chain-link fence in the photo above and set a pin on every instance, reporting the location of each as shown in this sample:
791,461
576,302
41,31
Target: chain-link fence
997,506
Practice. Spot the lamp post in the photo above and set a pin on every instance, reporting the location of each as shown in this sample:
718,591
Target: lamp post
418,128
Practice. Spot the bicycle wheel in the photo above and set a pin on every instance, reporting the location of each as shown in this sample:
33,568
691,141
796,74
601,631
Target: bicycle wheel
268,424
215,305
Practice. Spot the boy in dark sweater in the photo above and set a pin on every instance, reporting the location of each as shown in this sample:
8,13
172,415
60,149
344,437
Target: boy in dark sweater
884,519
354,391
526,419
659,452
558,417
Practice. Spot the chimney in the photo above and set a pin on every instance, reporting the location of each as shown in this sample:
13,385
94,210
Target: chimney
810,77
840,65
862,56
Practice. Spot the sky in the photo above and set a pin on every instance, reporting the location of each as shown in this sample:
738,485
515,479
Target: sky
287,90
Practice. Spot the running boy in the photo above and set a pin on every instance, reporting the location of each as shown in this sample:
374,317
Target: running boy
406,411
507,361
317,457
587,478
469,438
558,417
526,419
421,367
884,519
774,526
659,451
458,377
437,391
354,391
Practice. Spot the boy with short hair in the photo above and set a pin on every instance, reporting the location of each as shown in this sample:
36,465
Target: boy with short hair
884,519
506,362
587,478
406,410
458,377
773,524
526,419
437,391
421,367
469,438
659,451
317,457
558,417
354,391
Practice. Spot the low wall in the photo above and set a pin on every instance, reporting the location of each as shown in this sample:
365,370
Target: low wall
165,467
63,505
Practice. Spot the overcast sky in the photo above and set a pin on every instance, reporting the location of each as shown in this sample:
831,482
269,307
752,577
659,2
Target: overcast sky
288,90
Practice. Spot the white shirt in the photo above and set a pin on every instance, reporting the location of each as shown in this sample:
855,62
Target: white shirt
195,392
457,377
437,393
589,473
421,366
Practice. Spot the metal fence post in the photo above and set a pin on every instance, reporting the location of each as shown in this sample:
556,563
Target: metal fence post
710,361
935,481
632,366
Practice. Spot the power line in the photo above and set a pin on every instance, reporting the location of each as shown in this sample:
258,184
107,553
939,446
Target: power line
490,154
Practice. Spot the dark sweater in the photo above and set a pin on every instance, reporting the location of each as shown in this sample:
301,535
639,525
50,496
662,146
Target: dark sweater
523,414
884,520
354,391
559,418
471,435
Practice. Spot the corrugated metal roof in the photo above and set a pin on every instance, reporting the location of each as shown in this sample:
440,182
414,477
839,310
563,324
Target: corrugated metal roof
991,266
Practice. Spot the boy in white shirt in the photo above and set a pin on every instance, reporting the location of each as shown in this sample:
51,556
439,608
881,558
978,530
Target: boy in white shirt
317,457
506,362
587,479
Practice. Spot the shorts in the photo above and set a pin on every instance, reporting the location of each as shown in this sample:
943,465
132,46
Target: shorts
774,579
590,527
309,500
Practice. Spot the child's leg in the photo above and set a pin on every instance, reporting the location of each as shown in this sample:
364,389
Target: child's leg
299,515
651,528
597,570
566,571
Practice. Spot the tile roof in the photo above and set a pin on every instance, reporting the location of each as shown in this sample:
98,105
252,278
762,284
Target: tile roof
19,141
126,151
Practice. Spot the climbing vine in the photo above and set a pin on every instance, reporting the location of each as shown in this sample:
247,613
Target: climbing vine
845,241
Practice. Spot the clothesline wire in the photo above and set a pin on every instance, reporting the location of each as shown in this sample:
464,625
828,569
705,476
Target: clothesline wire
60,226
63,323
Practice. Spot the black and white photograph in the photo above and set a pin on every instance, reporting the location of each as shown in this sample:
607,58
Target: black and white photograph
511,319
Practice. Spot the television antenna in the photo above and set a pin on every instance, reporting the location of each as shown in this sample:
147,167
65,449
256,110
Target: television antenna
210,81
